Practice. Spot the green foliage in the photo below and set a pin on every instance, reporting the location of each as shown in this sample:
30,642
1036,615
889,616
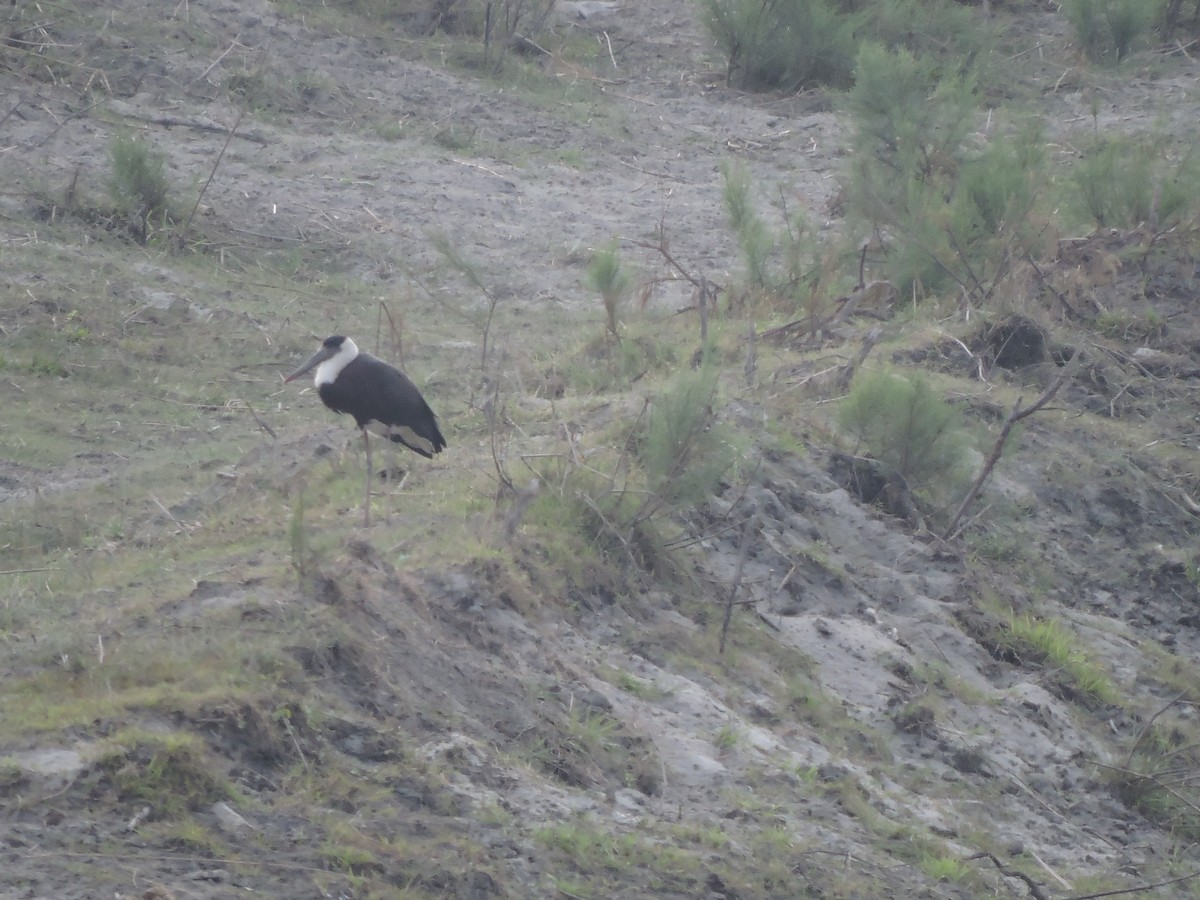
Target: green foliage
41,365
955,212
632,685
727,738
620,504
1109,30
943,30
793,44
683,451
780,265
138,180
169,771
603,365
1050,643
599,855
1127,325
905,426
504,24
755,241
302,553
782,44
611,280
944,868
902,108
1158,778
1123,181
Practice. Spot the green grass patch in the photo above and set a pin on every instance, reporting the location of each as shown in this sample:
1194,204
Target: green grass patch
1051,644
169,771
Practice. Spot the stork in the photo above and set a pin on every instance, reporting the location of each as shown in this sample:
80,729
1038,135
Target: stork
350,381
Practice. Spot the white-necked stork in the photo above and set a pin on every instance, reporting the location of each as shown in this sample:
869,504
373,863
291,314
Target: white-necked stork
350,381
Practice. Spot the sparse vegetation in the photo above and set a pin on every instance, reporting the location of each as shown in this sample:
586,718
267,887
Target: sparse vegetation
1049,643
899,421
611,280
953,213
1109,30
945,868
169,772
208,663
138,184
785,267
1127,181
1158,776
782,45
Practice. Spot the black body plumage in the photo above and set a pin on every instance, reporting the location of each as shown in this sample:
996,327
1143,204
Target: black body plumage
373,391
369,389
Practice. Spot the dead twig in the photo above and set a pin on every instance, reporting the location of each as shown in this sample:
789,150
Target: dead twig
1015,415
848,370
182,237
1007,871
169,514
261,424
216,62
748,528
1146,728
1137,889
652,173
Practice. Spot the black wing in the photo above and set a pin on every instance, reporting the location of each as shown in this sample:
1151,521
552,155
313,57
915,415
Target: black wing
371,390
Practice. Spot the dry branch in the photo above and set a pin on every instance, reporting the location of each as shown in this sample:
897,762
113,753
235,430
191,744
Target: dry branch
748,528
1015,415
1035,889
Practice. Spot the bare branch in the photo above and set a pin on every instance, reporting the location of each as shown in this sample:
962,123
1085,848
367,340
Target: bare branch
748,528
1015,415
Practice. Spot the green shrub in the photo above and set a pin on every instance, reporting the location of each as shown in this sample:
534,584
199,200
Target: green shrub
138,179
1122,181
611,280
905,427
782,44
674,454
683,450
954,211
1158,778
1107,31
908,121
755,241
941,30
782,265
170,771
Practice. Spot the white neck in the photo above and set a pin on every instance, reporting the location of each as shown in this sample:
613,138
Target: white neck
328,371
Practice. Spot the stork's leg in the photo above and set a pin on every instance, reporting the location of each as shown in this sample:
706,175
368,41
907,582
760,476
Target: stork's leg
389,488
367,502
394,483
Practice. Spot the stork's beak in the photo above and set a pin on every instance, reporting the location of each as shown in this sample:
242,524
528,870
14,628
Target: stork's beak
317,358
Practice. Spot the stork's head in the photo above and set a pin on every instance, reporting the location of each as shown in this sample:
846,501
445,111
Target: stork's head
332,356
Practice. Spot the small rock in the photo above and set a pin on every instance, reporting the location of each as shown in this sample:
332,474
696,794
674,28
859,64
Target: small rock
230,820
628,799
592,699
